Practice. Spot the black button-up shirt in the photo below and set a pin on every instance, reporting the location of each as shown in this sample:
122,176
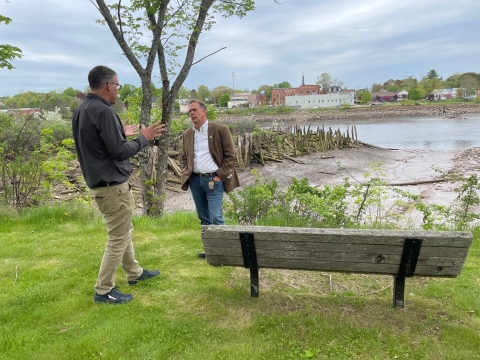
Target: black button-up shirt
102,147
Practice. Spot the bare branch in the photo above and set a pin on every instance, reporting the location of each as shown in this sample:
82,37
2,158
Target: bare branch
196,62
92,3
120,19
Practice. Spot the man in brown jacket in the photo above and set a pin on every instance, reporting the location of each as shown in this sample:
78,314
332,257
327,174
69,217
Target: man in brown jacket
208,160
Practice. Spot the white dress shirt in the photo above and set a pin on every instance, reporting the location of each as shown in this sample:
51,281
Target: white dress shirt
202,160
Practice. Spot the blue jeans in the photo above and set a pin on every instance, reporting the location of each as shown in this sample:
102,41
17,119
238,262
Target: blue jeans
208,202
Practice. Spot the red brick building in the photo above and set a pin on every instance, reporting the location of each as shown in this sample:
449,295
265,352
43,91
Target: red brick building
278,95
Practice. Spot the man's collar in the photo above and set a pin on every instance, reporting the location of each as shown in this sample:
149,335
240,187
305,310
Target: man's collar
97,97
203,128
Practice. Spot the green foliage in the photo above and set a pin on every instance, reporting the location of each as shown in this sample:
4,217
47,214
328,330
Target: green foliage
212,113
406,102
224,99
180,124
34,155
254,204
282,85
203,93
414,94
366,97
267,89
243,127
8,52
461,213
324,81
346,106
369,204
376,204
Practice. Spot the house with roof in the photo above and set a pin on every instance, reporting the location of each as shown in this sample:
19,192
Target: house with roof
443,94
401,95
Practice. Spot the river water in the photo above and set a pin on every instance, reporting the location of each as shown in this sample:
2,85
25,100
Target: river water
416,133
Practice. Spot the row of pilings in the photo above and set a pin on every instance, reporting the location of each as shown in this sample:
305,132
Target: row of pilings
278,144
274,144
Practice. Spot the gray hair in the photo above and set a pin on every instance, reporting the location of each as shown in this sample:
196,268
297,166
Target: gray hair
199,102
99,76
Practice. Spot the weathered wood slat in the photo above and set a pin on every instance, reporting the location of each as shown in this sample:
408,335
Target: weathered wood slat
433,251
372,258
349,236
332,266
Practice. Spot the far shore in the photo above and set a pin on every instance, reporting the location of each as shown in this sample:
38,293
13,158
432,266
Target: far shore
359,113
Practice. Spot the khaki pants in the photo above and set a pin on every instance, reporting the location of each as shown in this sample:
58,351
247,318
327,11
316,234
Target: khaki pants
116,204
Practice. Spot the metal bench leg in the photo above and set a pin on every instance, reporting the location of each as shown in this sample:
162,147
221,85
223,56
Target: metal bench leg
398,292
254,287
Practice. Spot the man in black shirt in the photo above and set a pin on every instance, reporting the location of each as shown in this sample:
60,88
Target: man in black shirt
104,154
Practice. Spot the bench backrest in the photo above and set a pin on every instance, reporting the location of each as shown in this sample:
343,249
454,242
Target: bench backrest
441,253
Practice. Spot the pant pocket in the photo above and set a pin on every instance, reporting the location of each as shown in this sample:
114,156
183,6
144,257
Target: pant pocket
105,204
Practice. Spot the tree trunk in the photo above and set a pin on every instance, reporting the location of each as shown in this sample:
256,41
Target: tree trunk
145,156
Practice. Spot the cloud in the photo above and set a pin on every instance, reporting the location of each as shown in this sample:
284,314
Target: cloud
357,42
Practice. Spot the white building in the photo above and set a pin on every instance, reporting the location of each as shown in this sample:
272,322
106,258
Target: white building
238,100
322,100
442,94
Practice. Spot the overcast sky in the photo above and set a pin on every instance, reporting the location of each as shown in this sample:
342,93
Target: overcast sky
358,42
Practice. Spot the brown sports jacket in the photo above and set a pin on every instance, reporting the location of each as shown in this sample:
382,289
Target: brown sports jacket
221,148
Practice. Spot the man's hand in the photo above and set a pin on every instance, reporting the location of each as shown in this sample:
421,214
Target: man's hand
130,130
153,131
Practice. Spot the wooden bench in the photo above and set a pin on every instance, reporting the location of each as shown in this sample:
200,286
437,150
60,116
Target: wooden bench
397,253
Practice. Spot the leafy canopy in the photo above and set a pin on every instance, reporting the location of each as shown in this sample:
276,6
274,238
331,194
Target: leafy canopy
8,52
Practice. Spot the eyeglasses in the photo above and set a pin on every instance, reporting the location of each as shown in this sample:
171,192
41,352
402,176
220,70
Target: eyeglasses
119,87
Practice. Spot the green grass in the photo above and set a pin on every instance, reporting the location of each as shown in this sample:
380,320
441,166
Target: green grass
49,260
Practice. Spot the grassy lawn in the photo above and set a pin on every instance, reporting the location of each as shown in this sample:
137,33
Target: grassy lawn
49,260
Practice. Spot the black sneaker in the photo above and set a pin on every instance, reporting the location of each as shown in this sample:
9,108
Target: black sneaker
202,255
147,274
113,297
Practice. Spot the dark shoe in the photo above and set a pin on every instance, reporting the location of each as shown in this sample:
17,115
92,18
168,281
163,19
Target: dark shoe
147,274
202,255
113,297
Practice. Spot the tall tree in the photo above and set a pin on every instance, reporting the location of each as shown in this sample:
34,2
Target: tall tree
469,84
183,93
170,23
324,81
8,52
203,93
267,89
414,94
432,74
224,99
218,91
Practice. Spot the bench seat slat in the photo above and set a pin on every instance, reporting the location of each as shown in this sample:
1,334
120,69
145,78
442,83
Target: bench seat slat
370,258
349,236
435,251
333,266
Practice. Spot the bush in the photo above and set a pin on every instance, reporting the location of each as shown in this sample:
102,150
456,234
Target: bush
371,203
33,156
